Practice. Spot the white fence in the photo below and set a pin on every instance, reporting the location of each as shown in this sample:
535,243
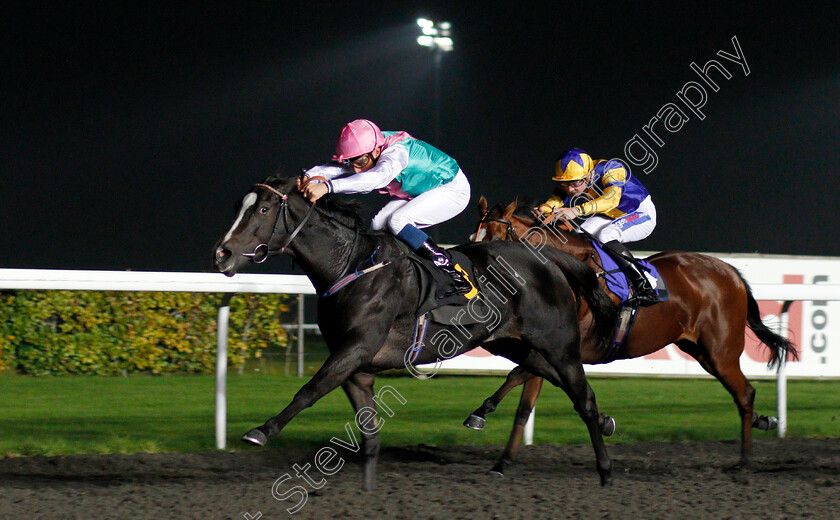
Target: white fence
49,279
818,294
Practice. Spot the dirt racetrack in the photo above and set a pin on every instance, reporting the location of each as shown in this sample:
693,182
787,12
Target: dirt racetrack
792,478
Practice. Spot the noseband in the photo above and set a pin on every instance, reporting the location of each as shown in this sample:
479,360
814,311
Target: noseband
511,233
262,251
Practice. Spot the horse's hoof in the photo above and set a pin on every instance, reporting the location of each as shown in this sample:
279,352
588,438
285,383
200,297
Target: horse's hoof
608,427
766,422
475,422
255,437
742,466
499,468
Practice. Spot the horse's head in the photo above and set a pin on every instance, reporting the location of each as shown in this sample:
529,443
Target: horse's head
501,222
261,227
516,222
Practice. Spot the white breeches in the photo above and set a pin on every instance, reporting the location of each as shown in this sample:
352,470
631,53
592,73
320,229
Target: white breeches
427,209
629,228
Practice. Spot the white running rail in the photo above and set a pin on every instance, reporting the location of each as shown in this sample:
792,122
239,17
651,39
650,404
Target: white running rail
55,279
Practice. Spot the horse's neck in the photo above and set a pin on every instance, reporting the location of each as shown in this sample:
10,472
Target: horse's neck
325,250
568,243
577,247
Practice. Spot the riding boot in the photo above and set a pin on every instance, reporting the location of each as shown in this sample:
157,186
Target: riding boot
643,293
430,251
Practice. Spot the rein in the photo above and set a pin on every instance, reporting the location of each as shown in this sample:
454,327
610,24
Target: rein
262,251
510,234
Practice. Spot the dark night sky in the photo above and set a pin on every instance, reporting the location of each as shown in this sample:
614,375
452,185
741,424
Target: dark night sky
128,130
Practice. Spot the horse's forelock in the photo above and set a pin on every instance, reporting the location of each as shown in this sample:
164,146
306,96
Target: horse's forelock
283,184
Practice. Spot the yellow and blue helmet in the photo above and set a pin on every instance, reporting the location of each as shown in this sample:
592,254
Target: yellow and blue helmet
573,166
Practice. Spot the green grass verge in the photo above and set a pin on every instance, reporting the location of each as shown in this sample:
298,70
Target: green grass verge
65,415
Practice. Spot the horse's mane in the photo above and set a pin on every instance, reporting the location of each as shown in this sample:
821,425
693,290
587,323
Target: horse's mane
524,205
345,211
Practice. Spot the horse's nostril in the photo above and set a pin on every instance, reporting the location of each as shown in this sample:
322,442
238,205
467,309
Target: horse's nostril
221,254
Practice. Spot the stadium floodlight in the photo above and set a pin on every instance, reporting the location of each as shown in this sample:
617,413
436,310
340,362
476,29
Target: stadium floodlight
435,35
437,38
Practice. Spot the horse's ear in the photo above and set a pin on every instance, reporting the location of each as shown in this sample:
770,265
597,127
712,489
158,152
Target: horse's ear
482,206
511,208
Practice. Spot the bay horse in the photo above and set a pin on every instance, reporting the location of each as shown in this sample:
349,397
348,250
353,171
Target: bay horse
368,325
708,308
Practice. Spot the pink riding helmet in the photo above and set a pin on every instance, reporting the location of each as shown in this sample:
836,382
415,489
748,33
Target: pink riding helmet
358,138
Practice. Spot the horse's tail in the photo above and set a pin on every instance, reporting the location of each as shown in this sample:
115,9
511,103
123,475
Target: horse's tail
779,347
584,282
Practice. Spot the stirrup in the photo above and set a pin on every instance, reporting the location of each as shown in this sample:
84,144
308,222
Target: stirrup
459,284
643,299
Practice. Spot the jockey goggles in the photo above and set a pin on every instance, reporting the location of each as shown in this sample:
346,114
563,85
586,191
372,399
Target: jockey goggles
358,162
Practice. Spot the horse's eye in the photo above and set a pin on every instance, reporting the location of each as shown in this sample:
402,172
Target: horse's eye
263,210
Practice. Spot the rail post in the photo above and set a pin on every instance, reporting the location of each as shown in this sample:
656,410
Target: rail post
221,370
300,336
781,373
528,434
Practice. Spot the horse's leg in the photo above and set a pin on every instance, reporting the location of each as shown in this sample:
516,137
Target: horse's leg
334,372
516,377
569,375
724,365
578,389
530,392
359,389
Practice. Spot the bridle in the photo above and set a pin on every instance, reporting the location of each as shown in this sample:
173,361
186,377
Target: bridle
261,252
509,235
511,232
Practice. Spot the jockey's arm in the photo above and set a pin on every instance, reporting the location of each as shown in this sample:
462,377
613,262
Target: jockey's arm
548,206
606,202
393,160
610,194
328,171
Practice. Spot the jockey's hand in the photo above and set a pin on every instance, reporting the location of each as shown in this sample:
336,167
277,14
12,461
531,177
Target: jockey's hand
564,214
314,191
303,182
542,213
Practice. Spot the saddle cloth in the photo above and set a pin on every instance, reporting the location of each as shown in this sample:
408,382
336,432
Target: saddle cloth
617,281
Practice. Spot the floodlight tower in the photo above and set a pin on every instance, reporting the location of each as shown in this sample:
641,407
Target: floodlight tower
436,36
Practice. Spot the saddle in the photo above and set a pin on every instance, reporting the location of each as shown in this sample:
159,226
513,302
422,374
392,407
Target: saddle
618,283
433,304
434,284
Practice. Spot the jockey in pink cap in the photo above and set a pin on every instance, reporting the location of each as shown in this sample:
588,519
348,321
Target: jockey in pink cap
428,186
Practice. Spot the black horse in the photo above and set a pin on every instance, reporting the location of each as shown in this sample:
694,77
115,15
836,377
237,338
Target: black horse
369,324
